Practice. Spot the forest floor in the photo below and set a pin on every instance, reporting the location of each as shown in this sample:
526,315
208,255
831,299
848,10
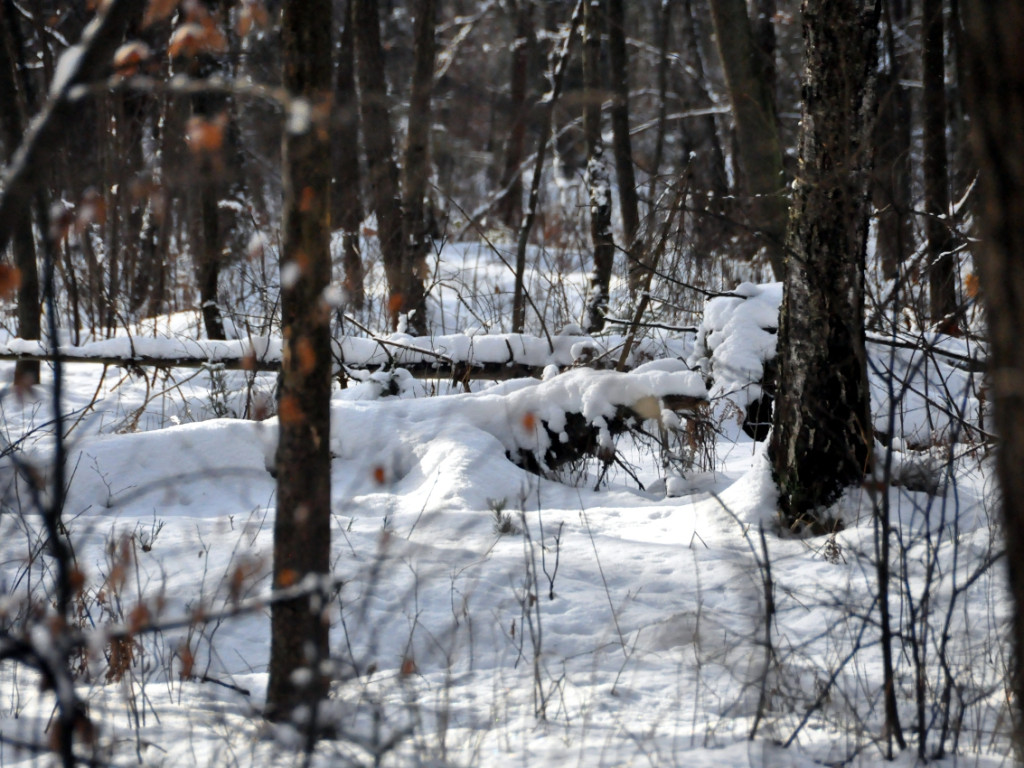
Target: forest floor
492,616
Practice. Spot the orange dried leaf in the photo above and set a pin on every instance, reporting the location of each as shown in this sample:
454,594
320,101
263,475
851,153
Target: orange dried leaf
972,285
130,57
188,661
205,136
408,667
10,280
380,476
529,421
139,617
245,21
158,10
288,577
395,303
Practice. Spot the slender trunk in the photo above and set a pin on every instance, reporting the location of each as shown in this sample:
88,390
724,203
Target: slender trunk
941,266
559,64
621,144
511,207
347,206
598,182
892,176
379,146
23,244
757,135
993,31
417,168
302,525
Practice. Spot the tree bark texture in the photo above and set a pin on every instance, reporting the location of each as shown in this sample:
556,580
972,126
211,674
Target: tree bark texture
302,530
994,29
23,246
940,264
416,227
757,135
379,145
346,202
598,180
822,437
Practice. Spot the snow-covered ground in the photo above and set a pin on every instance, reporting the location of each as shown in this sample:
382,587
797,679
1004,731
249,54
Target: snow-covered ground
490,616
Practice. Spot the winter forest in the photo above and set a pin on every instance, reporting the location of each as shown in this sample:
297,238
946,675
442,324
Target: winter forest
511,382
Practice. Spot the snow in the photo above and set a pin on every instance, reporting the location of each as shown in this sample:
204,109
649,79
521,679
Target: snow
621,625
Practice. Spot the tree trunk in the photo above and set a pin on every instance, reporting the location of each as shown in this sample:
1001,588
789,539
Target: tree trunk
379,146
23,244
822,439
891,191
598,182
511,206
302,526
941,266
622,145
757,135
995,93
347,206
417,167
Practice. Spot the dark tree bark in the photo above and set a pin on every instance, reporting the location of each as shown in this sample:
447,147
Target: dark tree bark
821,441
302,530
346,201
23,245
598,181
994,29
379,146
416,227
892,174
940,264
511,206
622,145
757,135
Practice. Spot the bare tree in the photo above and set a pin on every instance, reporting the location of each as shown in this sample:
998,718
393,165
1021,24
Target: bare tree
302,526
941,267
378,143
757,135
23,245
416,226
598,181
346,201
822,439
994,29
622,147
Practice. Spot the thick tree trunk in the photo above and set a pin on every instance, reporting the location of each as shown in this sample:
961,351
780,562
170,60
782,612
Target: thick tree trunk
302,526
347,206
380,147
757,135
941,267
23,244
598,181
994,29
417,167
822,438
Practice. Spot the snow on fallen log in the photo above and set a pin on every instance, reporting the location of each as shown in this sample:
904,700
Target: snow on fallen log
541,424
460,356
